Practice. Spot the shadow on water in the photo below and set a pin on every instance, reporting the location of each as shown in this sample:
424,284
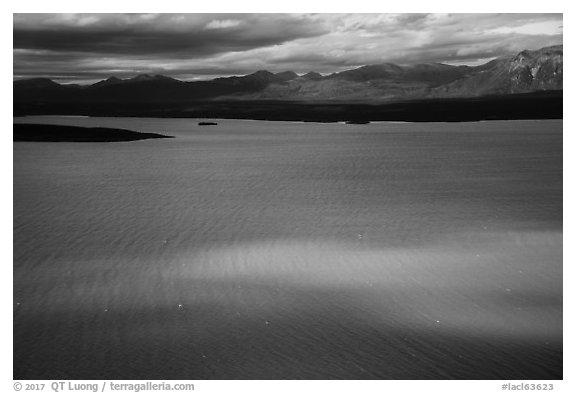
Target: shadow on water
207,341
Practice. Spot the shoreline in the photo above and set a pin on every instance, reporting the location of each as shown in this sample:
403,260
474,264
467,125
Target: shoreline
294,121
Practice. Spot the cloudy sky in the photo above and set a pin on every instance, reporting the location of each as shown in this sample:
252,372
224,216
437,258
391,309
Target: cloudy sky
89,47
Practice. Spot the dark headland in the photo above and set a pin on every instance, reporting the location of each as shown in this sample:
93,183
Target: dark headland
58,133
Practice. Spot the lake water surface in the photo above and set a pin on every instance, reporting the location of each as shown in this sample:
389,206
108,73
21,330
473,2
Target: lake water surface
278,250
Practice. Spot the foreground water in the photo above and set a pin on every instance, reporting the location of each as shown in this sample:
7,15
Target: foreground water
271,250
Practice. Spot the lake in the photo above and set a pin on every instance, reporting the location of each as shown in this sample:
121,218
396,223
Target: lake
279,250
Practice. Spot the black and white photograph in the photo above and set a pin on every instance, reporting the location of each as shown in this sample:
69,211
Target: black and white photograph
288,196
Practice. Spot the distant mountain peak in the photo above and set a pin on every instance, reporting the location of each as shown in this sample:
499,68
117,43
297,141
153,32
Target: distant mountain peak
108,82
262,73
149,78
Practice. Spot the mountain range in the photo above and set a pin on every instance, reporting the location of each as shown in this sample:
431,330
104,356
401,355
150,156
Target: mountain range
527,71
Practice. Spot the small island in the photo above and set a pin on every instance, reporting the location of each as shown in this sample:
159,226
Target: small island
59,133
358,122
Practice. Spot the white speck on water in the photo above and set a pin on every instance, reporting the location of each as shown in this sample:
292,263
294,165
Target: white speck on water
267,323
508,290
437,321
105,310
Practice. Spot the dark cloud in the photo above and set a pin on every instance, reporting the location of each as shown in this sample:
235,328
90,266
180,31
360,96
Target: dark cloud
164,34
